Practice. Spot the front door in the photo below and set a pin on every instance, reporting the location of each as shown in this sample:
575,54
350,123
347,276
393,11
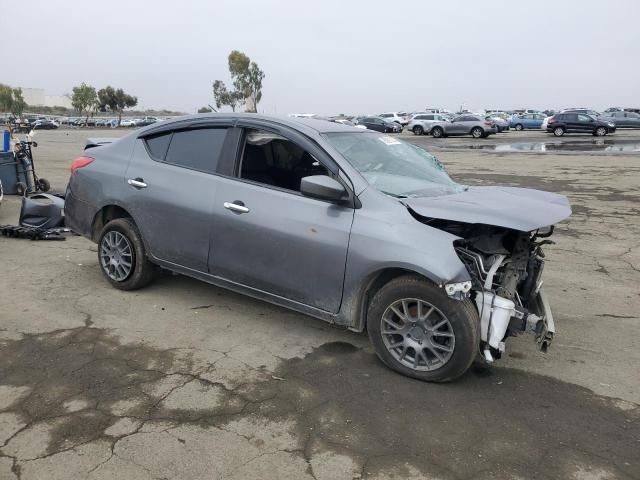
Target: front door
269,237
585,123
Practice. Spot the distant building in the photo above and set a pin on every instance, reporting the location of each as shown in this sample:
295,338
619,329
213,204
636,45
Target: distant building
37,97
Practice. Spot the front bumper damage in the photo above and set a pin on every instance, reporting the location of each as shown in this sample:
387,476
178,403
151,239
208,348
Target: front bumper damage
507,288
500,318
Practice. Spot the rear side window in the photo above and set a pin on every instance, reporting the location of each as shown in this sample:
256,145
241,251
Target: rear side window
158,145
197,149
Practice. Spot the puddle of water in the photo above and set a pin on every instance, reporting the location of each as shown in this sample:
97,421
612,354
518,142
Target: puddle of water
609,146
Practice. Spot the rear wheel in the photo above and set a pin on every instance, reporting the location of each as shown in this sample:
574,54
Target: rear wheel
477,132
519,127
437,132
558,131
418,130
600,132
417,330
122,255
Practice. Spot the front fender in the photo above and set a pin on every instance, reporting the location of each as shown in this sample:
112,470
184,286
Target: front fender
386,236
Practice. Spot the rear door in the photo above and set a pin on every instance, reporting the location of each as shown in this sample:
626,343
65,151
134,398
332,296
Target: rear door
171,184
571,122
269,237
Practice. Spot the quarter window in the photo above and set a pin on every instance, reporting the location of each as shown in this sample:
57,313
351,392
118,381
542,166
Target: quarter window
158,145
198,149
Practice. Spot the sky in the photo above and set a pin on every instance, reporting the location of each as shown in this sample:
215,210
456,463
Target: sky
331,57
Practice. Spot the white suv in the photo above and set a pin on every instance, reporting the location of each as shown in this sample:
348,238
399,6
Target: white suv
395,117
421,123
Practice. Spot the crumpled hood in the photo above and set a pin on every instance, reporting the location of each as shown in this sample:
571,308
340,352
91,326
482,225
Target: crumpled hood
521,209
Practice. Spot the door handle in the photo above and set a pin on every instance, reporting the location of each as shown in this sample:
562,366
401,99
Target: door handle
137,183
235,207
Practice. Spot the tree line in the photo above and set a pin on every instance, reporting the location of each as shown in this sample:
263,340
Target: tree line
11,100
85,100
245,90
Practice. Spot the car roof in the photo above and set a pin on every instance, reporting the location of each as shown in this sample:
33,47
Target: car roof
306,125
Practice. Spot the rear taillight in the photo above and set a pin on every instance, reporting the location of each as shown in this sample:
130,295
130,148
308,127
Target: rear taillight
488,124
550,121
81,162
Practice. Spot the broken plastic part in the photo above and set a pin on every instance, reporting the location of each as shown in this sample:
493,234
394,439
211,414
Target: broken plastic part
453,288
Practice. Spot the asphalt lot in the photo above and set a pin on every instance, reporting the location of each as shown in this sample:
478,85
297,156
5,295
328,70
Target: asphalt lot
185,380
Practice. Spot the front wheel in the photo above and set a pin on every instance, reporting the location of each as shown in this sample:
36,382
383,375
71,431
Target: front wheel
418,130
418,331
518,127
122,255
477,132
600,132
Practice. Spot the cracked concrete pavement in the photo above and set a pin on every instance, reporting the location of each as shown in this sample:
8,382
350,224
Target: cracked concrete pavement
185,380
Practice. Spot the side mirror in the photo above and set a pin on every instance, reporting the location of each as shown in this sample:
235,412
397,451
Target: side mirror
322,187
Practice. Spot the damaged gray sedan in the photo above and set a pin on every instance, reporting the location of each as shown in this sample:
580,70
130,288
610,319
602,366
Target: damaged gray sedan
347,225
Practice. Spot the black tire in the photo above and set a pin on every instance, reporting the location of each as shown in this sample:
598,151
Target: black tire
437,132
43,185
142,270
418,130
461,314
519,127
21,188
558,131
600,132
477,132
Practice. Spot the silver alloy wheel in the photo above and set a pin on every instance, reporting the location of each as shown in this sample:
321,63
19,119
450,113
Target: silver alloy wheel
601,131
116,256
476,133
558,132
436,132
518,127
417,334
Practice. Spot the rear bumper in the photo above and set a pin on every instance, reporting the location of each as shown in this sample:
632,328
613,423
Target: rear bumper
78,215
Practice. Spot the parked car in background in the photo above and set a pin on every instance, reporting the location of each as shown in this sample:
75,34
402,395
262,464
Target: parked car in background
587,111
128,122
380,124
395,117
473,125
421,123
349,123
500,123
45,125
613,109
622,119
527,121
377,237
143,122
571,122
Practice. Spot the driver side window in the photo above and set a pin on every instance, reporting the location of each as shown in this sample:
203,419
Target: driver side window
273,160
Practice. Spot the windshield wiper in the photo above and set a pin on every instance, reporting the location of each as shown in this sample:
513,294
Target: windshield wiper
393,194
